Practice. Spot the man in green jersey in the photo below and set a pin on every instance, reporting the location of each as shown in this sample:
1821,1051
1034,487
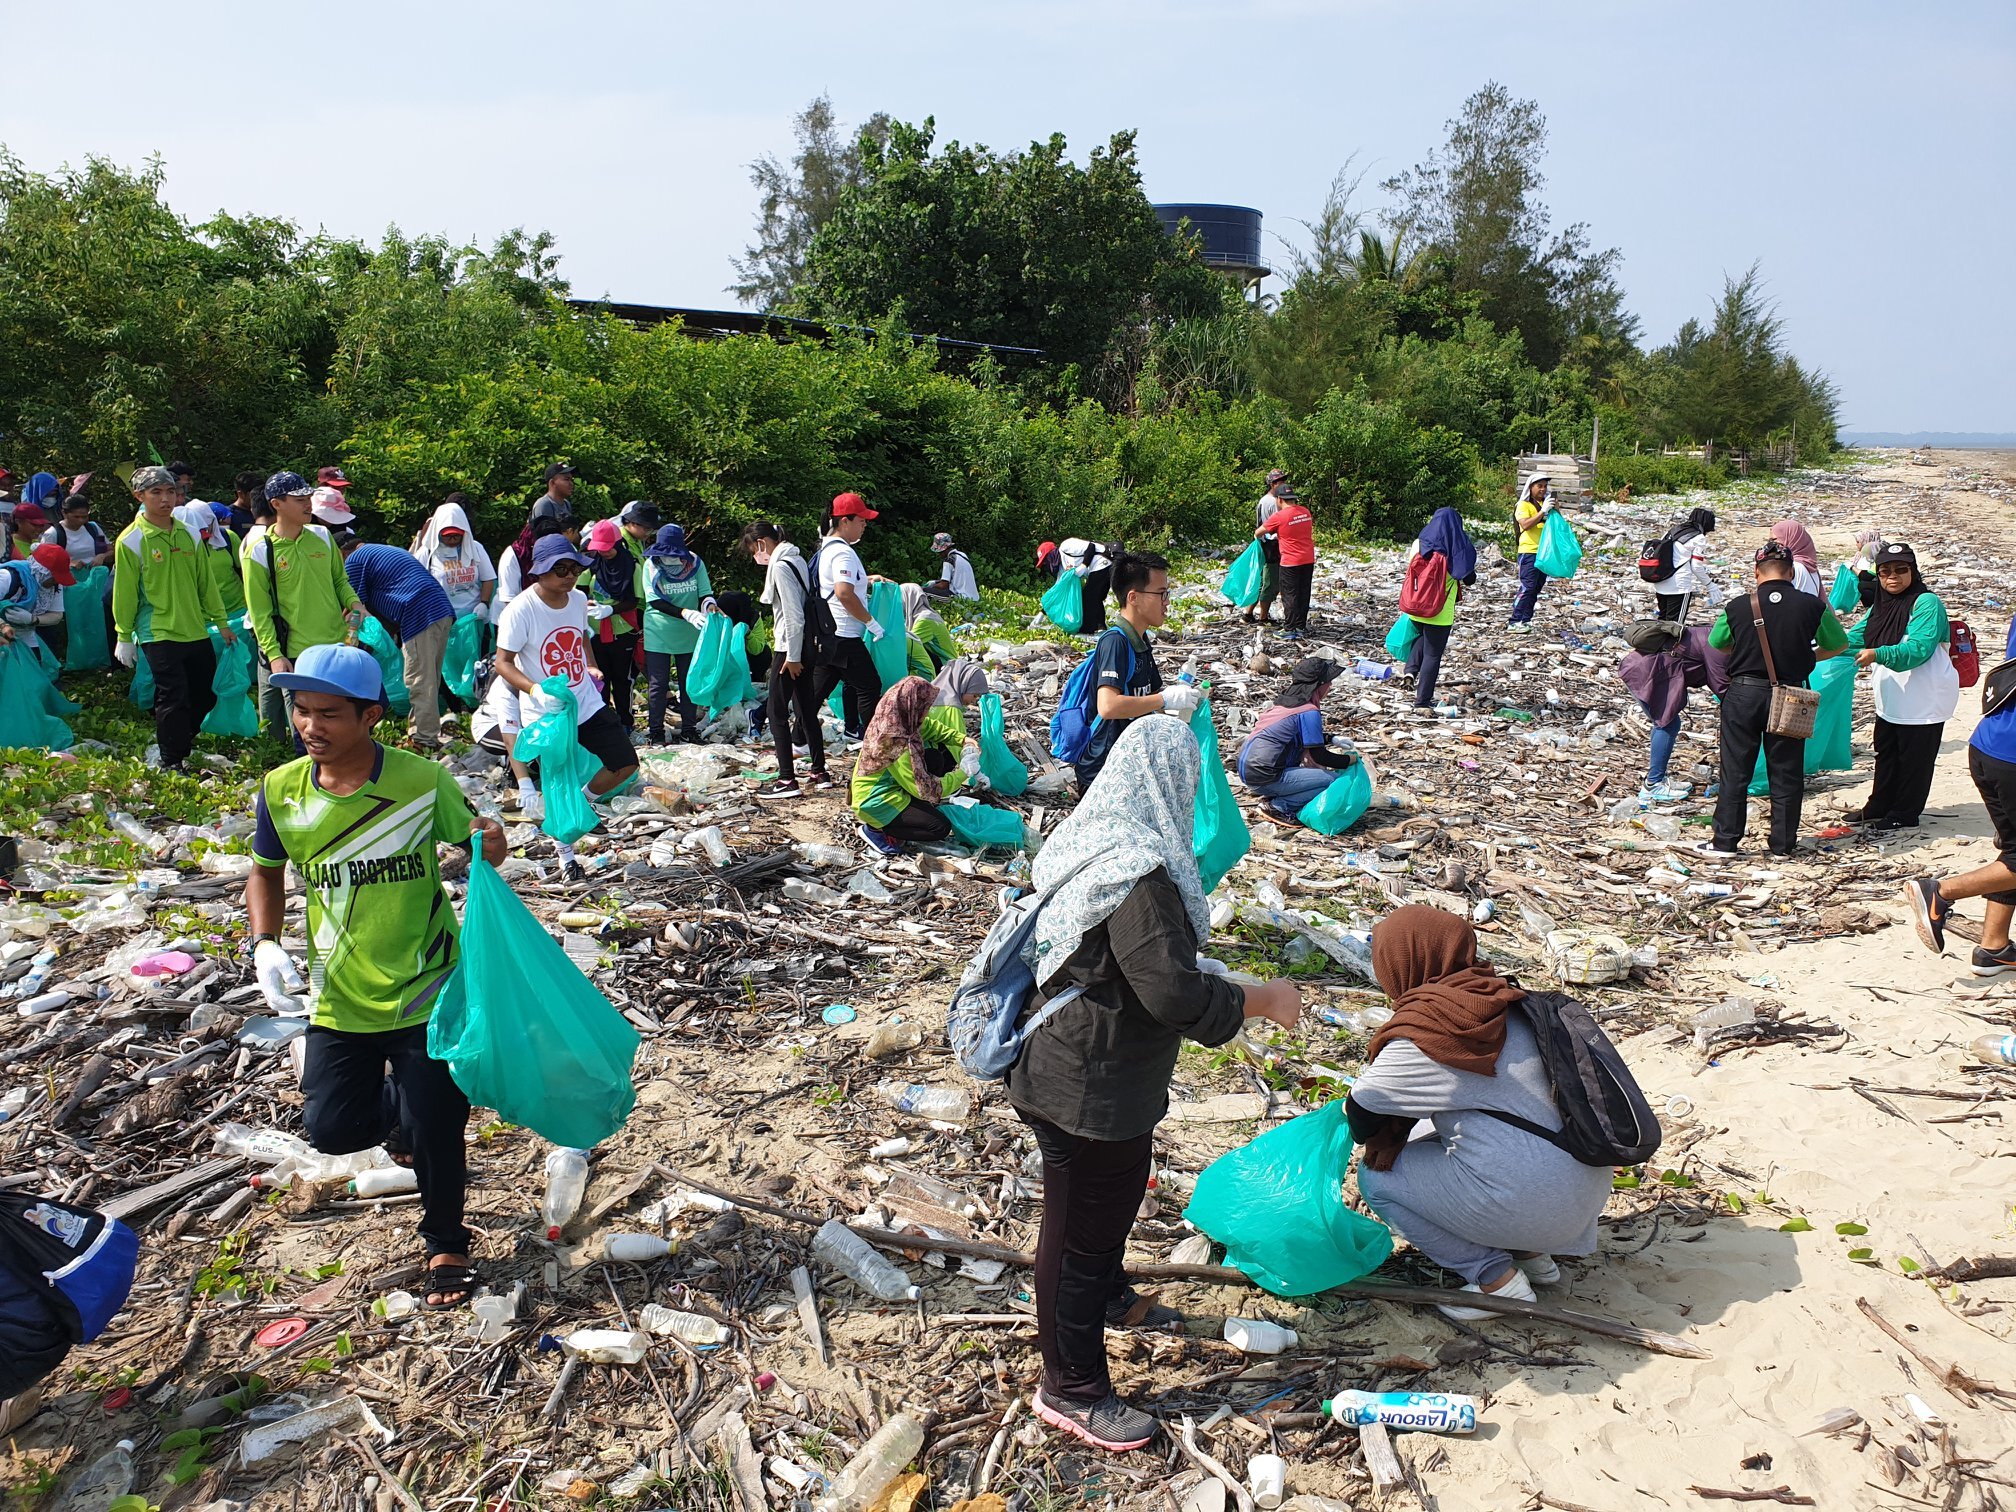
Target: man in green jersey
360,821
296,593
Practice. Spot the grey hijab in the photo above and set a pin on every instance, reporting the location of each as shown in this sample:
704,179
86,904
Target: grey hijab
957,678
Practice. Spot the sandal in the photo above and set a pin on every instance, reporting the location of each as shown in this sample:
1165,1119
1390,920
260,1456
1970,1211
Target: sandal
456,1280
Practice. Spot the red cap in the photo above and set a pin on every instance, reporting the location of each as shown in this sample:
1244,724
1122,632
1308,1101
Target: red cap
30,516
852,505
332,477
57,560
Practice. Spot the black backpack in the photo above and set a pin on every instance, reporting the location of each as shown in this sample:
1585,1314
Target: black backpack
1605,1120
1655,560
823,646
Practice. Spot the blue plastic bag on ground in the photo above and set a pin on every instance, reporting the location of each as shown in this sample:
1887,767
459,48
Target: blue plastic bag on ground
458,663
999,764
236,713
30,706
718,677
1220,836
1277,1205
1340,805
982,825
1560,554
523,1031
1846,593
1400,639
890,653
1064,602
554,741
1242,580
1828,748
376,639
85,649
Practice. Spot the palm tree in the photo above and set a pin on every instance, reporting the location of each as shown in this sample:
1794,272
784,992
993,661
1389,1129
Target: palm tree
1383,260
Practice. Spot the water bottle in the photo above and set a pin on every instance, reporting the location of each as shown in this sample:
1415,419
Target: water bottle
822,855
1422,1411
875,1468
1995,1049
839,1248
566,1184
265,1147
382,1179
137,832
710,841
691,1328
1268,895
939,1104
101,1482
1189,672
1661,827
1373,671
1711,889
639,1249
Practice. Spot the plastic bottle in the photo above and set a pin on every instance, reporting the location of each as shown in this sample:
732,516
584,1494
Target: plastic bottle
566,1184
1995,1049
1257,1336
1711,889
1394,798
822,855
639,1248
798,889
840,1248
99,1483
260,1146
1189,672
138,833
875,1468
382,1179
693,1328
710,841
1422,1411
1268,895
892,1038
607,1346
1373,671
1661,826
940,1104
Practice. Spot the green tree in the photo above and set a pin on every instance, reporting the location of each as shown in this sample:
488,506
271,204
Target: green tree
794,200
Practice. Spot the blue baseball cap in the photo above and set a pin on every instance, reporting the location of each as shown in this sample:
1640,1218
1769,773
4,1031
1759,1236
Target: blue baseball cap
346,671
284,485
552,550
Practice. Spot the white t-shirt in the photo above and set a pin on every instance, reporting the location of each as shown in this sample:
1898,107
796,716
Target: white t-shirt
1075,551
840,563
461,574
959,575
81,544
546,643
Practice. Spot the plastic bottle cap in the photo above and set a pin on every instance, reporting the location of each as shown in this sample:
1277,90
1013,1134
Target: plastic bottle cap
553,1234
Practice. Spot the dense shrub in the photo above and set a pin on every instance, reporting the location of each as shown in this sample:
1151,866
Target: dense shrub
1652,473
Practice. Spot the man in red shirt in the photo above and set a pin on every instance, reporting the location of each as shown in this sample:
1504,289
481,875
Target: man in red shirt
1296,528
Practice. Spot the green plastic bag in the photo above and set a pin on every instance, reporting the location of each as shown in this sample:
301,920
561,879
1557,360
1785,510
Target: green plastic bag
1340,805
1828,748
1560,553
718,677
998,764
891,651
1277,1205
84,619
376,639
1400,639
1243,578
140,692
1064,602
523,1031
554,741
236,713
1846,594
1219,837
458,665
981,825
27,718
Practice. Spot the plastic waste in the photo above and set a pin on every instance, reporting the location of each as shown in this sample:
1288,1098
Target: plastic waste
493,1316
1994,1049
607,1346
332,1416
565,768
1257,1336
813,854
99,1483
636,1248
709,840
396,1306
939,1104
801,891
895,1444
566,1185
380,1180
1373,671
888,1149
1219,835
1731,1013
1267,1479
1421,1411
892,1038
692,1328
839,1248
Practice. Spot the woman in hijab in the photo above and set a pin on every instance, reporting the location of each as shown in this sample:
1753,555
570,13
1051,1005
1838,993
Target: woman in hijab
220,553
1796,539
1662,666
1863,563
1676,592
1912,683
1119,988
961,683
910,744
1287,762
514,568
613,581
455,559
1475,1194
677,596
1444,536
931,643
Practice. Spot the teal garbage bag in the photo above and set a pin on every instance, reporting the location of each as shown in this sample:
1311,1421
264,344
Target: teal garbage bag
1340,805
718,676
376,639
458,663
523,1031
30,707
998,764
1400,639
1277,1205
890,652
1560,554
1220,836
1828,747
1064,602
236,713
1243,578
84,622
554,741
982,825
140,692
1845,595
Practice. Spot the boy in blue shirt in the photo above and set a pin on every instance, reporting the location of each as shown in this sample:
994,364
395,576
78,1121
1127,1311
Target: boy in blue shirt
406,600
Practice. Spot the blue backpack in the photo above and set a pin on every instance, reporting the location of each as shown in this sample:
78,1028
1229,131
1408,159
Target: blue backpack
984,1023
1077,714
64,1271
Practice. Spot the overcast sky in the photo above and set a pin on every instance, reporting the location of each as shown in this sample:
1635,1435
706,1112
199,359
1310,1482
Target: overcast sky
1861,152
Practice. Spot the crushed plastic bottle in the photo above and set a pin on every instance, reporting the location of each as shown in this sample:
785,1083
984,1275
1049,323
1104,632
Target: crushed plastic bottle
138,833
607,1346
100,1483
813,854
871,1472
939,1104
892,1038
566,1185
839,1248
692,1328
801,891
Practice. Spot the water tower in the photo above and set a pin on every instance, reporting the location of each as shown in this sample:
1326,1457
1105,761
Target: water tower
1231,237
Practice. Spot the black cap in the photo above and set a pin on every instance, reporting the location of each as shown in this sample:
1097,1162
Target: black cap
1896,553
559,469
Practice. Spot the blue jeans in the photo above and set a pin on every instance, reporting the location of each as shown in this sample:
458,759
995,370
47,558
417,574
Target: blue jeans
1298,788
1664,738
1531,581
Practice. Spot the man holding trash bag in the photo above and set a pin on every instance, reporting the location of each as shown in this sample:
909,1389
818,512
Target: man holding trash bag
361,821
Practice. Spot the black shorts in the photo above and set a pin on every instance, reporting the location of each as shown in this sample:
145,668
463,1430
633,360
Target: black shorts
603,737
1995,780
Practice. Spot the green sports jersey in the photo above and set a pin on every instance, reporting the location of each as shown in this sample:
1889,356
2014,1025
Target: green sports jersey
381,931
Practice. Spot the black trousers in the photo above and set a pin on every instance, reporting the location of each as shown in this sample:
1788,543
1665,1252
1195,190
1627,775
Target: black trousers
920,821
1270,573
786,694
1906,755
1424,660
667,671
1673,606
1295,583
1745,707
183,674
1091,1190
1094,587
855,674
617,659
1995,781
361,1090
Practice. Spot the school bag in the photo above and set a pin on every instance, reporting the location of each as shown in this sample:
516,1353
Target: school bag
1077,713
983,1023
1426,587
822,634
1965,651
64,1271
1655,560
1605,1119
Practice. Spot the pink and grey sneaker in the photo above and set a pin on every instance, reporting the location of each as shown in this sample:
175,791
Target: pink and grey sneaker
1108,1423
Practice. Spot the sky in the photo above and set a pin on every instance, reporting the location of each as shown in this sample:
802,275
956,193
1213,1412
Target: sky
1860,153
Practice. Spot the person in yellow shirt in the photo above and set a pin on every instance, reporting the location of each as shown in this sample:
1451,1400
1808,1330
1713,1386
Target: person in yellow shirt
1529,516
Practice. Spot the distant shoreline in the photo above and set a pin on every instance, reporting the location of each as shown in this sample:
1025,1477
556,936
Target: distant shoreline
1938,440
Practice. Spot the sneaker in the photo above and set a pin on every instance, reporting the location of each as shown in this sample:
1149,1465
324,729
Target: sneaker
781,787
1716,850
880,841
1666,791
1108,1423
1291,635
1928,912
1892,822
1994,963
572,870
1518,1289
1540,1270
820,781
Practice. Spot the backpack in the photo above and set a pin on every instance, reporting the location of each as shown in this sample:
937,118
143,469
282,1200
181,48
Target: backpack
983,1022
1655,560
1077,713
822,646
66,1270
1965,651
1426,588
1605,1120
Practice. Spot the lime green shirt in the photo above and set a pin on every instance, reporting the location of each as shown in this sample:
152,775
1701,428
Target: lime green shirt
226,569
162,588
882,796
314,591
1448,614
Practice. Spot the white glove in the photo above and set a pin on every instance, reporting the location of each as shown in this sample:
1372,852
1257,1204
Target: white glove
873,631
1212,967
598,612
1181,700
126,653
1081,571
970,764
280,980
694,618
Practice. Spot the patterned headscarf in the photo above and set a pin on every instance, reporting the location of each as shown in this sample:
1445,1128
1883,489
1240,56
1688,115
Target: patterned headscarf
895,729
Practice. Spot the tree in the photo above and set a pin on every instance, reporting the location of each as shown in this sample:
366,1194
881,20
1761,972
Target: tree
795,201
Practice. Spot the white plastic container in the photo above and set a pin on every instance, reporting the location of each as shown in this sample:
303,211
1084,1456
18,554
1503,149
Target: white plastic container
1257,1336
1267,1479
382,1179
637,1248
607,1346
1420,1411
692,1328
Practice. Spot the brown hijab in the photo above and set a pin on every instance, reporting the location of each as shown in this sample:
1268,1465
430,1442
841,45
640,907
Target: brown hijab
895,730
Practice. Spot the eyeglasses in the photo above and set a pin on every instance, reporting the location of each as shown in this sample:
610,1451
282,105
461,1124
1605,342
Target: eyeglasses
1161,593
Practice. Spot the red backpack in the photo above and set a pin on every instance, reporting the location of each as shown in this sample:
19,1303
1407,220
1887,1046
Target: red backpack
1966,653
1426,588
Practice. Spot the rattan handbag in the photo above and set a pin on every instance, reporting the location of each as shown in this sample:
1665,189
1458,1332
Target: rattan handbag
1792,710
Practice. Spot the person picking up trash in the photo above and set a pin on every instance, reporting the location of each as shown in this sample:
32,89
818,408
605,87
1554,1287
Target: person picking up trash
842,584
360,822
1116,950
296,593
1529,519
1126,682
456,559
678,596
1295,529
956,576
406,600
1287,762
1912,682
31,600
1447,561
909,763
1092,562
787,585
1681,574
1267,506
1663,664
